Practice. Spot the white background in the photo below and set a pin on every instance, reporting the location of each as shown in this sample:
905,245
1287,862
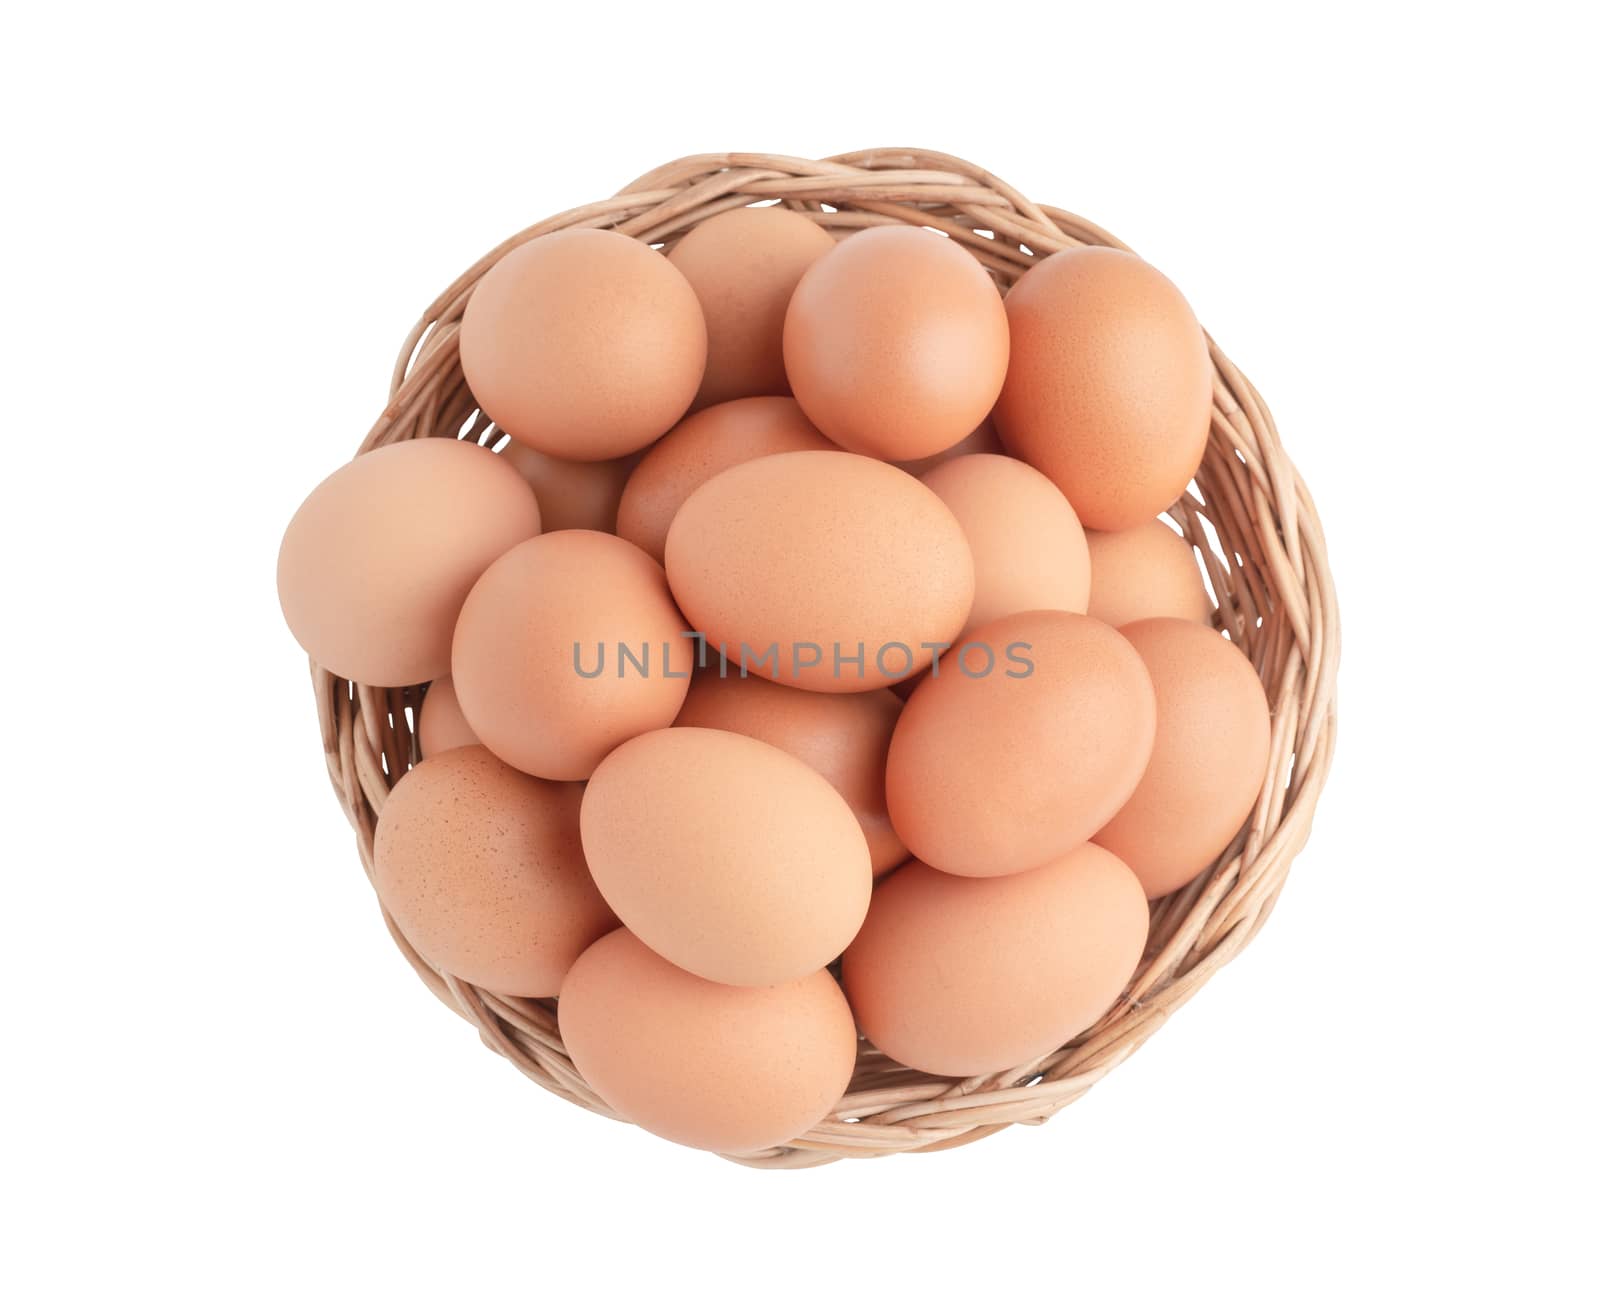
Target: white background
224,1085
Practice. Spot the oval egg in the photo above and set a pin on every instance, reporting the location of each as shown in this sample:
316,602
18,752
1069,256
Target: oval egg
844,737
1213,730
966,976
734,1069
1028,549
703,445
482,869
1145,572
896,343
821,569
744,265
1108,392
998,773
376,564
567,646
725,855
584,344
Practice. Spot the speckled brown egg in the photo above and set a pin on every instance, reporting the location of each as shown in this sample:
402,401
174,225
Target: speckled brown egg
583,344
997,771
732,1069
1145,572
376,563
1213,730
844,737
482,869
441,726
572,493
821,569
896,343
725,855
567,646
1028,550
743,266
1109,387
965,976
703,445
982,440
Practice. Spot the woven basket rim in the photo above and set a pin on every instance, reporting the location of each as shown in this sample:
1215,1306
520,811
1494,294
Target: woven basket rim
1257,533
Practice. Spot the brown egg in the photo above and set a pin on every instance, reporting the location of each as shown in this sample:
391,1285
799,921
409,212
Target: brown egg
1028,550
896,343
743,265
572,493
725,855
1001,772
567,646
1145,572
721,1068
699,448
441,726
966,976
821,569
377,561
482,869
583,344
1213,728
844,737
982,440
1109,389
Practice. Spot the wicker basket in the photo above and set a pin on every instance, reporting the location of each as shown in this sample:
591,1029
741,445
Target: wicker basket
1270,576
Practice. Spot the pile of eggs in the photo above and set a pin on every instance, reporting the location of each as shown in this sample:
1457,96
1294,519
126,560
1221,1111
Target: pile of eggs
812,662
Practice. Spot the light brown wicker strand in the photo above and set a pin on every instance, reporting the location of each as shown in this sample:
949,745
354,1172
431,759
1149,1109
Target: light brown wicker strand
1271,578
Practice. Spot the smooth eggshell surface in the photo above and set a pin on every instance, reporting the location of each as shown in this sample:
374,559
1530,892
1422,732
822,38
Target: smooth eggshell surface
721,1068
583,344
482,869
1213,730
1145,572
725,855
544,617
441,726
376,563
816,558
743,266
572,493
982,440
703,445
996,774
844,737
896,343
1109,387
1028,550
965,976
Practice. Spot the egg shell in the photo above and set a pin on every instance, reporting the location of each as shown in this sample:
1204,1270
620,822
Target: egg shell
896,343
1145,572
725,855
572,493
1028,549
584,344
743,266
482,869
996,774
545,616
824,556
844,737
733,1069
968,976
703,445
1109,387
1213,731
441,726
982,440
376,563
